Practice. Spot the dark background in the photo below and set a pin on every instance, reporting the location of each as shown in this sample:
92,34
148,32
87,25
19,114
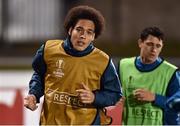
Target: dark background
26,24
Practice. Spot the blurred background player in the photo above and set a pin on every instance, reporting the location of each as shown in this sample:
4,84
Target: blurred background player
147,81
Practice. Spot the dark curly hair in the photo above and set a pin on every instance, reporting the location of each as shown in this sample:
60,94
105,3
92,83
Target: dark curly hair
85,12
154,31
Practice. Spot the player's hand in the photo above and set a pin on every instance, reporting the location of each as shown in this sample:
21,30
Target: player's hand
86,96
122,100
144,95
30,102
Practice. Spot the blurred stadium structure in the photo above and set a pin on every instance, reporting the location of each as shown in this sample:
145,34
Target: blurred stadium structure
26,24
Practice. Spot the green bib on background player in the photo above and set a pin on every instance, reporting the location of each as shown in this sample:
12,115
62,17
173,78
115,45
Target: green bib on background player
156,81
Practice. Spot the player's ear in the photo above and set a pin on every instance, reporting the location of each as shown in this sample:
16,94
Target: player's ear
70,31
93,37
140,43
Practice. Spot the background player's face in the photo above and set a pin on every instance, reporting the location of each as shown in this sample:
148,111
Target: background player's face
150,49
82,34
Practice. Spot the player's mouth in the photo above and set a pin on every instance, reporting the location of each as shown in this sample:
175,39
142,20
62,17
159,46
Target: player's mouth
152,54
80,43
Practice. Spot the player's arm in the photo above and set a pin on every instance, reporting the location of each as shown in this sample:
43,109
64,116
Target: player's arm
110,90
36,84
172,88
174,102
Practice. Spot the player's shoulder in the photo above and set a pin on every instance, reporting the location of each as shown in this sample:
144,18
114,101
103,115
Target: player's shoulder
168,64
101,53
52,43
128,59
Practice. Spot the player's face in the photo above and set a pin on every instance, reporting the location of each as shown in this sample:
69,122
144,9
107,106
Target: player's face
82,34
150,49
